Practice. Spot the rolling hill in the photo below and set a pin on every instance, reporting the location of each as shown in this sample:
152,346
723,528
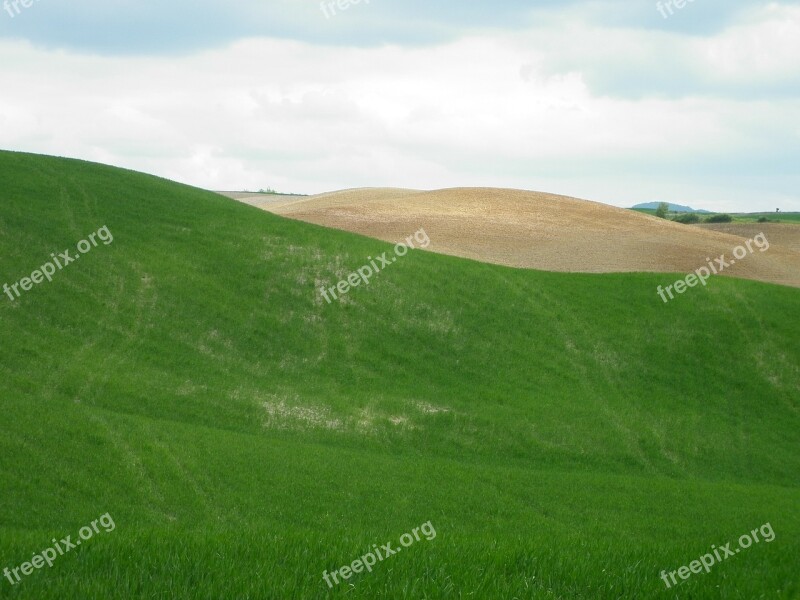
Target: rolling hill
567,435
535,230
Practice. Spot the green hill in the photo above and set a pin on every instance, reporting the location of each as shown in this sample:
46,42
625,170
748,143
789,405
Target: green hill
567,435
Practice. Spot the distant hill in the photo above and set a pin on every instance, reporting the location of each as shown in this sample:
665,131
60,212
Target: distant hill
672,208
572,234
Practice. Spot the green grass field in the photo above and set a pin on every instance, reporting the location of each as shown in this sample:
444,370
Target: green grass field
787,217
567,435
784,217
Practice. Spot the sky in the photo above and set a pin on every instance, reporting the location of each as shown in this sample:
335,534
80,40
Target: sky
689,101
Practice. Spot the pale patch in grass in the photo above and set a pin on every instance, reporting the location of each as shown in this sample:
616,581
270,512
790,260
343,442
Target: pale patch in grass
366,421
291,413
291,362
187,388
401,421
441,323
430,409
369,421
281,415
606,357
271,247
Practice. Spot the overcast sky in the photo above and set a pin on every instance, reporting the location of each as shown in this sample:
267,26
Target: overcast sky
615,101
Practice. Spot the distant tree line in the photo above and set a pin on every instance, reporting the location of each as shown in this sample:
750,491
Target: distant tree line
662,212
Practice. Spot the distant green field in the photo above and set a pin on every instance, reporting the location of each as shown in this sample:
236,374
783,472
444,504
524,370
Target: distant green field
647,211
567,435
788,217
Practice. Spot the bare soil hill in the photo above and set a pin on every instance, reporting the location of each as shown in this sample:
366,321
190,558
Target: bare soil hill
782,234
541,231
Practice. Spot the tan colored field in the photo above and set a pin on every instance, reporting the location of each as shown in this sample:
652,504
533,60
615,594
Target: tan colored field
541,231
782,234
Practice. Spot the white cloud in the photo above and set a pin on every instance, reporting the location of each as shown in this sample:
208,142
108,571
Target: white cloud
763,49
485,110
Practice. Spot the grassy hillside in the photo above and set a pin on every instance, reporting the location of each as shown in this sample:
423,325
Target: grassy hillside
568,436
783,217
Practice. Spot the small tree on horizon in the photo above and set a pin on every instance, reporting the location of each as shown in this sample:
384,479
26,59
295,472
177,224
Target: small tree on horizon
662,210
